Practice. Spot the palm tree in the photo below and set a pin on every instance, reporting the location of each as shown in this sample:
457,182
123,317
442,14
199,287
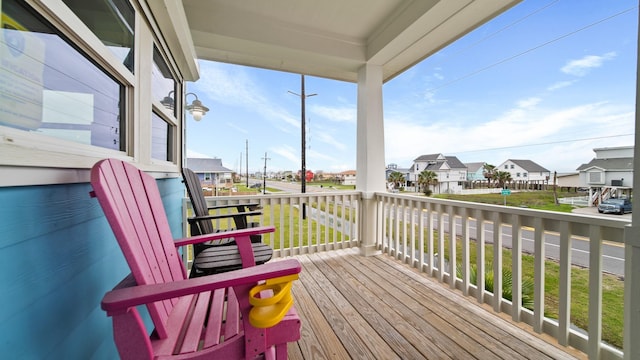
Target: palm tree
503,178
396,178
489,172
425,179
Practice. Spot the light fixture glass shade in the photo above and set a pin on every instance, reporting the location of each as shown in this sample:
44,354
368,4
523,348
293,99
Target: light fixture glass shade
197,115
196,109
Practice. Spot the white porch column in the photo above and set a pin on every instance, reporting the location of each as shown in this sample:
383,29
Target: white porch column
631,345
370,163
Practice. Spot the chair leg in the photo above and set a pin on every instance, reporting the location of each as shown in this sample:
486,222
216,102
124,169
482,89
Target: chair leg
281,351
270,354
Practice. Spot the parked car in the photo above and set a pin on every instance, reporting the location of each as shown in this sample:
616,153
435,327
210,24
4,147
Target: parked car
615,206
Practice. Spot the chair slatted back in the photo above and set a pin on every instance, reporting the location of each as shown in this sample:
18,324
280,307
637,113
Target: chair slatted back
133,206
198,202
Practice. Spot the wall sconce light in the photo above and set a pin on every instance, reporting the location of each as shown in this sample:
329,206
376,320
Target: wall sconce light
196,109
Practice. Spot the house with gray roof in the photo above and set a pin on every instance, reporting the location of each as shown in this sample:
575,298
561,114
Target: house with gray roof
525,173
451,172
210,171
475,171
609,174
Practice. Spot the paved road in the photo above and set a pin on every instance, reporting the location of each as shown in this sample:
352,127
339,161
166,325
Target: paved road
293,187
612,258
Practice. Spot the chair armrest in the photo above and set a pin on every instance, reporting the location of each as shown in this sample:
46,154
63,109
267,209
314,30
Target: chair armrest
119,300
240,233
223,216
240,207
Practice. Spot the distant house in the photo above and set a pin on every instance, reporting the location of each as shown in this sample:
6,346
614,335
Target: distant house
568,181
475,171
451,172
526,174
391,168
348,177
211,172
609,174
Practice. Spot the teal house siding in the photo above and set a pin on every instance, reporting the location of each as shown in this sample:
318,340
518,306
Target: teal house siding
58,257
478,175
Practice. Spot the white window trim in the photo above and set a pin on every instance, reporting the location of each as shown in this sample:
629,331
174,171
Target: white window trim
34,159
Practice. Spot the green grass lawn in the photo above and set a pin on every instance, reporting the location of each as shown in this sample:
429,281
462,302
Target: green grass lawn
541,200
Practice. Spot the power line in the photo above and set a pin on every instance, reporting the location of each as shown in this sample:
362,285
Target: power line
531,49
454,55
545,143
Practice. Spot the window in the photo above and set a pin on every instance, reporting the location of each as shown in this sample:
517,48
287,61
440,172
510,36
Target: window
50,87
506,166
512,166
595,177
163,83
163,87
161,138
517,174
112,21
524,174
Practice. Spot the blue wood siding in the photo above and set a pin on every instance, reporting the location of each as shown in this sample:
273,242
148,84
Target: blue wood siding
58,257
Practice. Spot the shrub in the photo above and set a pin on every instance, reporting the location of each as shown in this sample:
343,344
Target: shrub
507,283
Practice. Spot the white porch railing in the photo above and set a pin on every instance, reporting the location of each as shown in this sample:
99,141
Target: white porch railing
329,223
432,230
407,228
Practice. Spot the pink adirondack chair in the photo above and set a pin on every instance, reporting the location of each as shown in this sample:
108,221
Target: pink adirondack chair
218,316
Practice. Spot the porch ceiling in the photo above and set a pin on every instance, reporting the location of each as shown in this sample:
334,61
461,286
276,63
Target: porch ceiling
332,38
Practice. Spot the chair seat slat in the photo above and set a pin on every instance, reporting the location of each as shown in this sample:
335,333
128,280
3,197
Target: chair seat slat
214,323
194,327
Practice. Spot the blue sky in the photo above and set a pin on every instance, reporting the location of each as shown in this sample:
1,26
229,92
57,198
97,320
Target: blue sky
546,81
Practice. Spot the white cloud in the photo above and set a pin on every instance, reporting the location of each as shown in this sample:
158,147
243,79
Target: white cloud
197,155
237,128
529,103
560,85
582,66
234,87
335,114
326,138
554,138
288,153
319,155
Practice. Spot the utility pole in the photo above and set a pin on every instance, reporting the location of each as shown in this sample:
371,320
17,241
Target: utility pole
264,176
303,154
247,154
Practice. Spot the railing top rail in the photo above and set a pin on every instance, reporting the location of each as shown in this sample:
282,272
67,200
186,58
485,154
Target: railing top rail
285,195
583,219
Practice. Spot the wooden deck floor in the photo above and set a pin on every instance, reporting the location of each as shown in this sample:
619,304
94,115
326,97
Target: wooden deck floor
354,307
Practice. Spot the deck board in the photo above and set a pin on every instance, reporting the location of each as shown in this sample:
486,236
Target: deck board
355,307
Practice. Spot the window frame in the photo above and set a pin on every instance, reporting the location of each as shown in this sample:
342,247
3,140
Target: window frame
35,159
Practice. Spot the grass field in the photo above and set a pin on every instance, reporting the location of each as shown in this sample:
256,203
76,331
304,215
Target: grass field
541,200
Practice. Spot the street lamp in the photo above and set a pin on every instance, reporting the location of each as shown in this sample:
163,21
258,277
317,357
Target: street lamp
303,180
196,109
